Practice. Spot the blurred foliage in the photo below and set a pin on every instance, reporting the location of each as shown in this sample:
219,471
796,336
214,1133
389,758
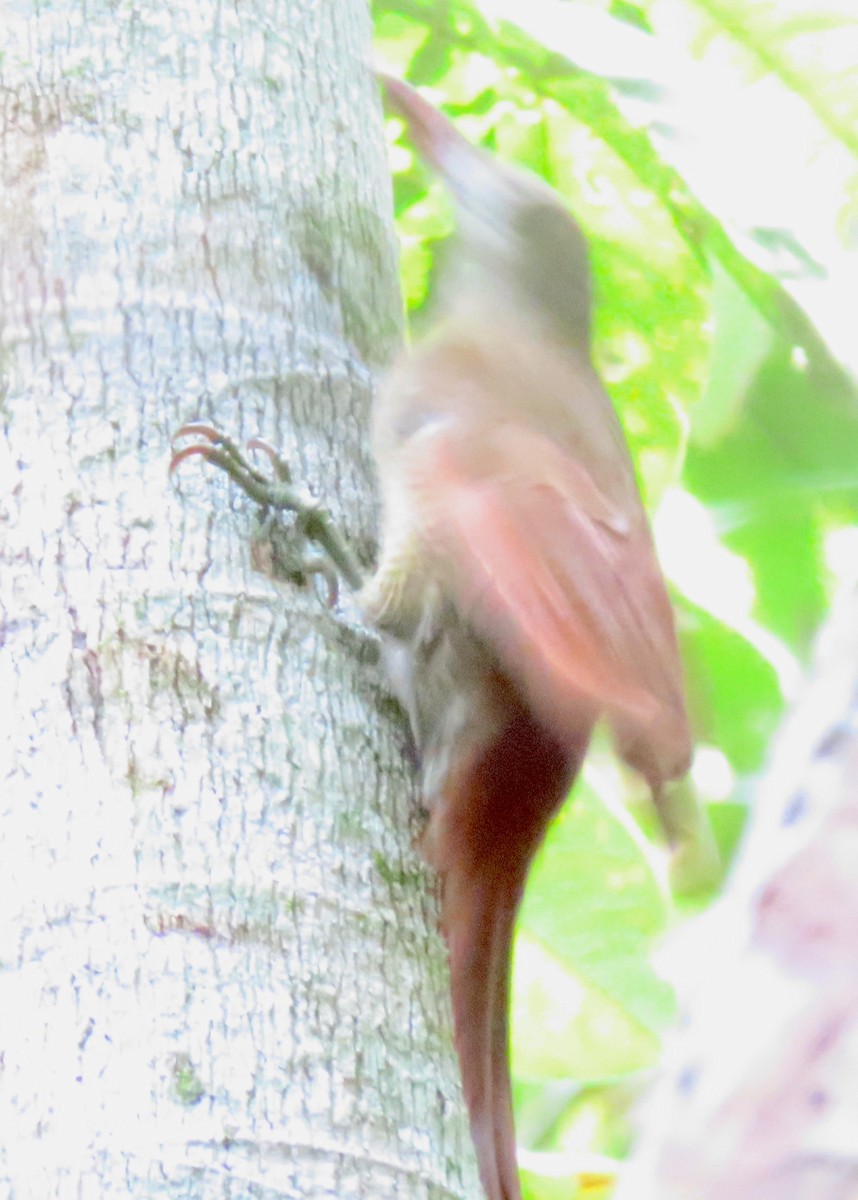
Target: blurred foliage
730,397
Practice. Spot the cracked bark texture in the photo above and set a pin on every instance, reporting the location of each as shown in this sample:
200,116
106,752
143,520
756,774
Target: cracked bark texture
759,1096
219,971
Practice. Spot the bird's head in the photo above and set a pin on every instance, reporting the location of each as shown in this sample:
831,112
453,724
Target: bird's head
518,245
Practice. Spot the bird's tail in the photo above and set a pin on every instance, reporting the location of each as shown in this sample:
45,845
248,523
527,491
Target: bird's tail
482,837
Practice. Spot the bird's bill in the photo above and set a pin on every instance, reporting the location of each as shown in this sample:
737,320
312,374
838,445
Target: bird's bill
478,185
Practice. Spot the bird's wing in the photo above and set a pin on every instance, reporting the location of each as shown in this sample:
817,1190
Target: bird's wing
561,582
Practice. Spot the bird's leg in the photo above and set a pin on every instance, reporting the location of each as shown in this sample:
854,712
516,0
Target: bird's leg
283,553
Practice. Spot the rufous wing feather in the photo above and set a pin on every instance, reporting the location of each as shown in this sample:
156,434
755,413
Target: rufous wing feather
564,586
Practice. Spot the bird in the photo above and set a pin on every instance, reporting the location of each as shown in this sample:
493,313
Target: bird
517,592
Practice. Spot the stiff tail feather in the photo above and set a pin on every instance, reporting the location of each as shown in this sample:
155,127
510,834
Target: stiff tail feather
492,822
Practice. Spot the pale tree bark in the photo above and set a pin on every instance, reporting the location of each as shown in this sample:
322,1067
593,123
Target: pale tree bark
219,971
759,1095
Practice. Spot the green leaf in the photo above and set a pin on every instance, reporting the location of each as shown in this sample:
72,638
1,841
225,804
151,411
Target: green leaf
798,433
743,340
734,693
567,1029
430,61
592,909
632,14
785,550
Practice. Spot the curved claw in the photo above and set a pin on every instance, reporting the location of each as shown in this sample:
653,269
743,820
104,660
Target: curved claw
179,456
259,443
279,464
199,429
222,451
196,429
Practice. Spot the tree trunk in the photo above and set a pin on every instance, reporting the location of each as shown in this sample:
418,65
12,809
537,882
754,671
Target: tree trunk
220,970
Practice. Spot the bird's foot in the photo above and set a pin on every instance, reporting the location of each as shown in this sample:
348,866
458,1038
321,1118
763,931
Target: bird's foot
283,551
